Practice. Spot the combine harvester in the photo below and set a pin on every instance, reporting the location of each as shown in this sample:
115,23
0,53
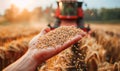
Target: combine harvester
69,13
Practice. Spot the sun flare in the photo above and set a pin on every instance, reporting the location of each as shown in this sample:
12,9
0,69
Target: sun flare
21,4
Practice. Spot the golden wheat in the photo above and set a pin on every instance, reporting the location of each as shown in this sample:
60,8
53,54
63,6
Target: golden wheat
99,52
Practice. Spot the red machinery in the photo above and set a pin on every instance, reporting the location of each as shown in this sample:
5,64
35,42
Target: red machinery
70,13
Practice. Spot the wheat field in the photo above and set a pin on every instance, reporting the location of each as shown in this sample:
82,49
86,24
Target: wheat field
98,51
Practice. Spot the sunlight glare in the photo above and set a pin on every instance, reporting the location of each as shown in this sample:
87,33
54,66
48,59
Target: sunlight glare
21,4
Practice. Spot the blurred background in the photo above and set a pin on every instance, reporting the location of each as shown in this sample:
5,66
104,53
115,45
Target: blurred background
34,10
21,20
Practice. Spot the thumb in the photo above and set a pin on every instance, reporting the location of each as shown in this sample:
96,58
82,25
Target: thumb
34,40
44,31
49,52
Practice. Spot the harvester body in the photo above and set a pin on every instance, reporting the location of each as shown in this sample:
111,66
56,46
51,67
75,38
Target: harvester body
69,10
69,13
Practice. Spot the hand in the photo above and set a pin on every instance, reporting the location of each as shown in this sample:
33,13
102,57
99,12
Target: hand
35,56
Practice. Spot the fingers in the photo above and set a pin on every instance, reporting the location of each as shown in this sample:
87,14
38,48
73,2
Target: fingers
49,52
68,43
83,34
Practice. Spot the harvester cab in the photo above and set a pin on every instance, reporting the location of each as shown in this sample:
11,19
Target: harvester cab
69,13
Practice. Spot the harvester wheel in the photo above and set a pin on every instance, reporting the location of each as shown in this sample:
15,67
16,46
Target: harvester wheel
57,23
80,23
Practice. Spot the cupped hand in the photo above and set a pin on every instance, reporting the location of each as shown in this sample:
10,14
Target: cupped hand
40,55
35,56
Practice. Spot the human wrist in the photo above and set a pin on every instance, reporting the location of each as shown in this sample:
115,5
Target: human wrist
25,63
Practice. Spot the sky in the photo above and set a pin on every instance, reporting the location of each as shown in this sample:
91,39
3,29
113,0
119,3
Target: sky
31,4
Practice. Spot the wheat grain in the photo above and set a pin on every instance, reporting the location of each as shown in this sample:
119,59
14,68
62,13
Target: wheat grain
58,36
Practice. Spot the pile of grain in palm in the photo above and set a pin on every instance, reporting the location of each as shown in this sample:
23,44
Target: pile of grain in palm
58,36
